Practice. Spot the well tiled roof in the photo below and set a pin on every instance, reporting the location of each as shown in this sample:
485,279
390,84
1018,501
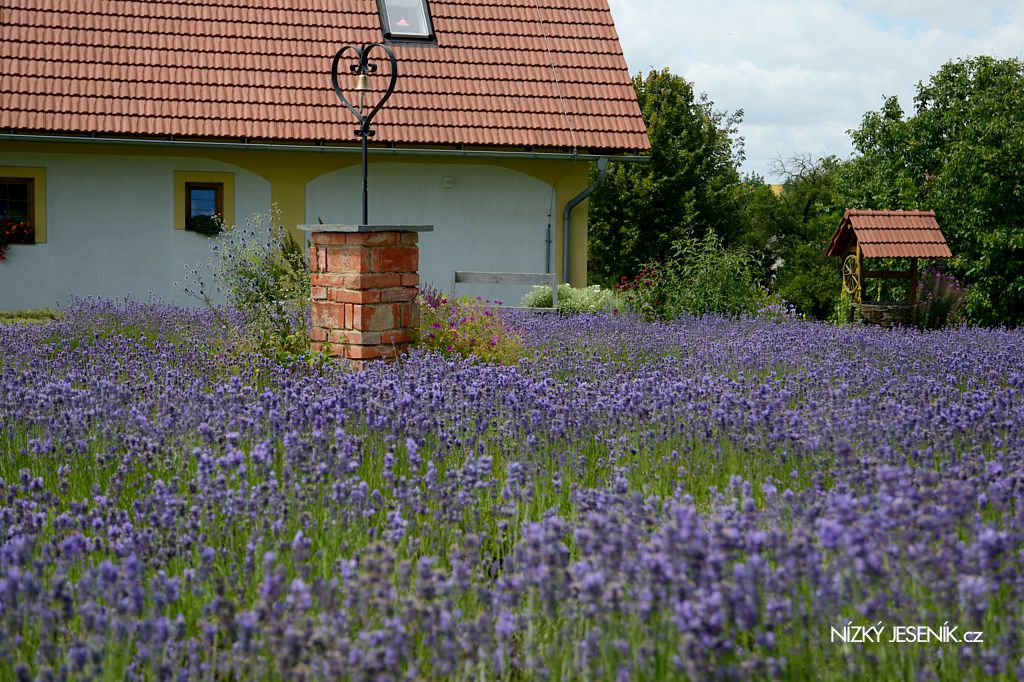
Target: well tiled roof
508,73
890,234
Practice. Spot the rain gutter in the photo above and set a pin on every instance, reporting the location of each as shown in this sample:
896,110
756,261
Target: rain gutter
322,148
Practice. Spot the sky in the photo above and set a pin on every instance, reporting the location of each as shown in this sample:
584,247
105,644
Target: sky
804,72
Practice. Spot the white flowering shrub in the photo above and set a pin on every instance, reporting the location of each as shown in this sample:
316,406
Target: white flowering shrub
592,299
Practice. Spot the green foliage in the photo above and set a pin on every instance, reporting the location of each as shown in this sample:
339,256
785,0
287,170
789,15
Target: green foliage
263,274
207,225
886,290
592,299
809,280
885,174
466,327
689,184
791,229
700,276
940,299
37,315
959,154
842,312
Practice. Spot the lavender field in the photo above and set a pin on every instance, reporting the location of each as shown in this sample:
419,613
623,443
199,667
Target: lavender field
707,499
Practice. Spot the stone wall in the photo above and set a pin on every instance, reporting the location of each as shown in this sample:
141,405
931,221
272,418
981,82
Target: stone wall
885,314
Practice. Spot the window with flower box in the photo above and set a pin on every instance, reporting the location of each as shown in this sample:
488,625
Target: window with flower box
22,206
17,206
199,195
203,201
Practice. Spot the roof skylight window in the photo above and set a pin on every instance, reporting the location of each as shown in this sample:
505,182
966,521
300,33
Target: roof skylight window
406,20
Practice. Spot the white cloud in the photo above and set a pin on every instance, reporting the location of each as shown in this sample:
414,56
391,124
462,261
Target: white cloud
805,71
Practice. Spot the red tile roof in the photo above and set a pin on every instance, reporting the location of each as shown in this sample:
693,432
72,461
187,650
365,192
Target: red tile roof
520,73
890,234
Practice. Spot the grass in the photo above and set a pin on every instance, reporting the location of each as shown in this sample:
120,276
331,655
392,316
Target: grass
35,316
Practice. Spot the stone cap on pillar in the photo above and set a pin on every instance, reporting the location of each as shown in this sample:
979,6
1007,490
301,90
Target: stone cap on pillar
366,228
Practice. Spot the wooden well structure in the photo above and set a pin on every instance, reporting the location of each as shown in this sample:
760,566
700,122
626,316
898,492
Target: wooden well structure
869,234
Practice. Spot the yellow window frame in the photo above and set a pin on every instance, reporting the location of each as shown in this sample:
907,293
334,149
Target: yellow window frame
38,177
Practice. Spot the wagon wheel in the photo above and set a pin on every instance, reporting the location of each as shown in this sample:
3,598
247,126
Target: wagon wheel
851,274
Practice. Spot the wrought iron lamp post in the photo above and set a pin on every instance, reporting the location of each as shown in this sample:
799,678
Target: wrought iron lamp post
363,68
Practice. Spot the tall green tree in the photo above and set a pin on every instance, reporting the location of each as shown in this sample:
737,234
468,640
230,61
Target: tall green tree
689,184
961,154
808,209
789,227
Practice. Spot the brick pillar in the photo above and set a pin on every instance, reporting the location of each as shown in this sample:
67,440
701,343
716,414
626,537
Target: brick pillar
364,282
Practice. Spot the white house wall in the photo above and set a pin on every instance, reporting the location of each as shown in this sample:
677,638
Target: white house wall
110,229
485,218
110,223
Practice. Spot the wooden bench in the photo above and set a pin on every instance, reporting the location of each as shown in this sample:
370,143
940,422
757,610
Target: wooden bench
510,278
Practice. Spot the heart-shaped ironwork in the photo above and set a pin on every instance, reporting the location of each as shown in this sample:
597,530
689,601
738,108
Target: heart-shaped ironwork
363,66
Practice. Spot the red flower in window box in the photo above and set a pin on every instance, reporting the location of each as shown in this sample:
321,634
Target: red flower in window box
14,232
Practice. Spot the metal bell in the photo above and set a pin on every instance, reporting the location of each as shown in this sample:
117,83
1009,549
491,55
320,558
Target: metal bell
362,83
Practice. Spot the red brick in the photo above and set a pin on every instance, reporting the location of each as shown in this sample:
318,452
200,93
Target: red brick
349,316
319,279
362,282
318,293
356,296
333,238
403,316
410,280
414,316
373,238
351,337
409,238
394,316
398,259
349,259
397,337
362,315
327,315
358,338
317,334
370,352
376,318
396,295
357,281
